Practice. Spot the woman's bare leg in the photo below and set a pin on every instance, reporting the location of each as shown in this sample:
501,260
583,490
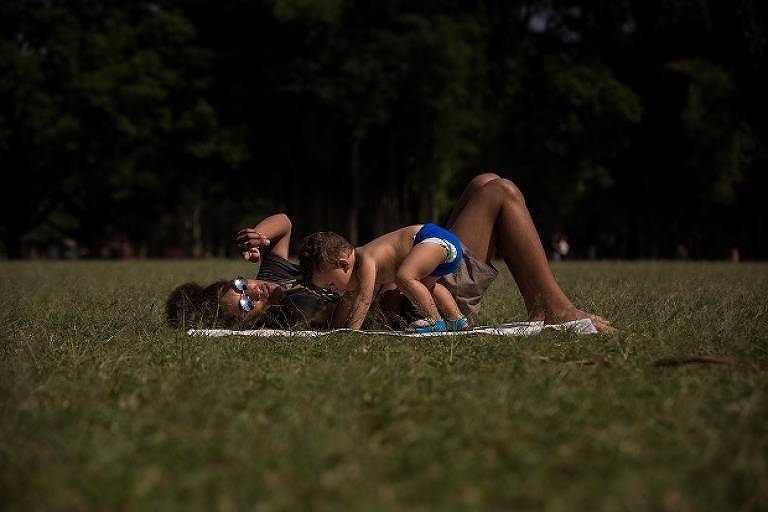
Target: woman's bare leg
496,210
472,187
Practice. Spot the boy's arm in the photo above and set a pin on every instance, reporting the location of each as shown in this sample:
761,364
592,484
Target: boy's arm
343,310
366,275
274,230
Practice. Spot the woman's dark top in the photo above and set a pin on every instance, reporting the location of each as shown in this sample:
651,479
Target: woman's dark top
302,306
278,270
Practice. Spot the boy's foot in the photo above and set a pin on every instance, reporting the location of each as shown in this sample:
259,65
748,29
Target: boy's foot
460,324
424,325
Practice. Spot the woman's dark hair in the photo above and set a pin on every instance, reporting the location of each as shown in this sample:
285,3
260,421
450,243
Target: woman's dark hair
191,305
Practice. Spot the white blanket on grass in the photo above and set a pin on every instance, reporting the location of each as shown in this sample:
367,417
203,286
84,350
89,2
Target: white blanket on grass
583,326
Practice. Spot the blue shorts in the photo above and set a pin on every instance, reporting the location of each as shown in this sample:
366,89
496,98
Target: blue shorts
432,234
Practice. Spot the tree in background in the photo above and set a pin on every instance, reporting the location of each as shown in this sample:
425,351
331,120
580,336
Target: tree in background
637,127
104,117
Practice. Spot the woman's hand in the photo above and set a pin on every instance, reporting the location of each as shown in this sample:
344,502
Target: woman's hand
273,231
248,241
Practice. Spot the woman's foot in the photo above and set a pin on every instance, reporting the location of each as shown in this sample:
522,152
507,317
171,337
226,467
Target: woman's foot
601,324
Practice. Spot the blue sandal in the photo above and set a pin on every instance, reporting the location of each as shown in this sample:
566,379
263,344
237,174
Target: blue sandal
459,324
425,325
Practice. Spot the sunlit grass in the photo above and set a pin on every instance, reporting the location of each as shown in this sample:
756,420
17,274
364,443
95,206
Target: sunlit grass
102,407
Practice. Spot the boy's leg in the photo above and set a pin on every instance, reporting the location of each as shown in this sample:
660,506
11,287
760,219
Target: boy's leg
444,301
420,262
455,320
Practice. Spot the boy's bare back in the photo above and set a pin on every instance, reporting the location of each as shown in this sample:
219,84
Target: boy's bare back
388,251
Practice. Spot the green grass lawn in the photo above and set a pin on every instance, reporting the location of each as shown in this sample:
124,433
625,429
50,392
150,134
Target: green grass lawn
102,407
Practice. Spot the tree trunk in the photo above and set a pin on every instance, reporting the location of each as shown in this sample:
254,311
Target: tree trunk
353,214
197,231
296,207
12,243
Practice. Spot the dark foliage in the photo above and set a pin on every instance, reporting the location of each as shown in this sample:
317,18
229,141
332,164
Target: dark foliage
637,127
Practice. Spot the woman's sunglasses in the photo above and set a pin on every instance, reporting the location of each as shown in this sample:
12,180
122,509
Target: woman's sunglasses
240,284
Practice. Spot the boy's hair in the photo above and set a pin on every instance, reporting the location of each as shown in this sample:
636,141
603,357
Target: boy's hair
321,250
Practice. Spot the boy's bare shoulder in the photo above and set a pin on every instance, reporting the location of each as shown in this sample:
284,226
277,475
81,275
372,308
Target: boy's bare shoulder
366,260
388,251
394,237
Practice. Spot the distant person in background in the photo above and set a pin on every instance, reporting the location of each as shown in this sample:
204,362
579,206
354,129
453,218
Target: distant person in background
490,220
560,247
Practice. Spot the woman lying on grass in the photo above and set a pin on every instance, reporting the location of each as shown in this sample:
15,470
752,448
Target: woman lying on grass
490,218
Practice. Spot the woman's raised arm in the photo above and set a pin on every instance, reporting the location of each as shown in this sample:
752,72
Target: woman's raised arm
274,231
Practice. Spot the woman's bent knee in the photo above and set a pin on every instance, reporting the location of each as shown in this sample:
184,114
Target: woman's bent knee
508,190
481,179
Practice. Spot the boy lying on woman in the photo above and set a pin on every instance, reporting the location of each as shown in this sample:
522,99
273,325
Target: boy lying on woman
413,257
